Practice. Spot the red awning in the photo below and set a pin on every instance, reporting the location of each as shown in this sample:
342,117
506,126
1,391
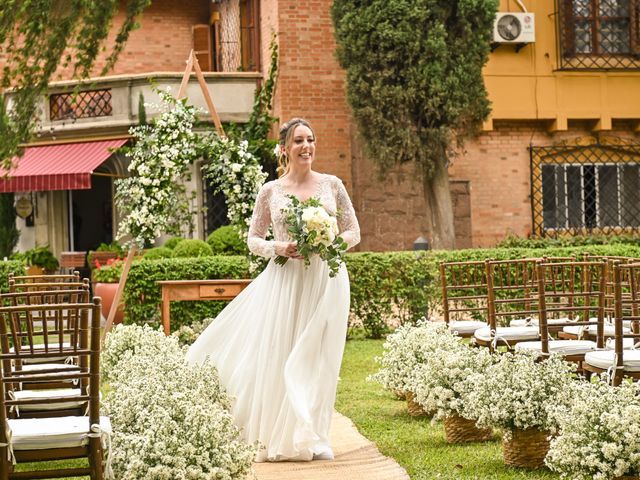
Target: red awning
57,167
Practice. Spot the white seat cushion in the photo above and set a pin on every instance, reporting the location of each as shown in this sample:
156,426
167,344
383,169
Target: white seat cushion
57,432
508,333
47,366
627,343
563,347
605,359
52,347
34,367
609,330
525,322
55,393
466,327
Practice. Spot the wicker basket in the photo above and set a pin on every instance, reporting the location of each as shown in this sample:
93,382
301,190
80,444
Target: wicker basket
461,430
525,448
414,408
399,394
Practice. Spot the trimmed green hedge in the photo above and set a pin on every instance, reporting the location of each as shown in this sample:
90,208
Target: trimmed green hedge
569,241
403,286
15,266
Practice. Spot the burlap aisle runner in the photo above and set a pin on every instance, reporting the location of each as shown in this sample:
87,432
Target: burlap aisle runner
356,459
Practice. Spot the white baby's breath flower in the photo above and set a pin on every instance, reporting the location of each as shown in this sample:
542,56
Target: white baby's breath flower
170,420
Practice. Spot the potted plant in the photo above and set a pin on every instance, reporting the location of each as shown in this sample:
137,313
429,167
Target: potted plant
598,433
105,284
105,252
443,382
522,396
40,260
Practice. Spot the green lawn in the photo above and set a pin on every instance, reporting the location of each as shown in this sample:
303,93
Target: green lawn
415,443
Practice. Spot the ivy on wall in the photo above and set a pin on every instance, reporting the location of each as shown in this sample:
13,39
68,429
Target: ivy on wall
39,36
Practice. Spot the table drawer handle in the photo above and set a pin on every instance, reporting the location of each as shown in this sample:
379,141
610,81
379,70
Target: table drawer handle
219,291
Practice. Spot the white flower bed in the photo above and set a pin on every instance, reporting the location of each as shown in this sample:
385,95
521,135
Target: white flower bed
600,434
520,392
444,381
127,341
406,348
170,420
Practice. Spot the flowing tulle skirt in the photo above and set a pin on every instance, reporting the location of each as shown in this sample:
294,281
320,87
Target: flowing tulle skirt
278,348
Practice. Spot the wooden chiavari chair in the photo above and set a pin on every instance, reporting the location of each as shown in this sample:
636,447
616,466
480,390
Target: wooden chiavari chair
512,299
464,296
45,439
622,361
44,278
573,294
46,321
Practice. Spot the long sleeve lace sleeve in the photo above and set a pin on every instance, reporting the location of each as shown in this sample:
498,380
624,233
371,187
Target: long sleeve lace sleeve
347,221
260,221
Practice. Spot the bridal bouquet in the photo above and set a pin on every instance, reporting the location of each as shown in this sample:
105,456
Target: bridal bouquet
315,232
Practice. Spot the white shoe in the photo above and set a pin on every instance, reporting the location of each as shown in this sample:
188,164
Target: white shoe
325,455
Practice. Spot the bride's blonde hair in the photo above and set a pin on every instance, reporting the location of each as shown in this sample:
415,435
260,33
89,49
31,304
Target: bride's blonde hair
285,138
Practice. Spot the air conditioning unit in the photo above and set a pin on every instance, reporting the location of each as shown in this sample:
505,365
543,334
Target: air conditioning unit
514,28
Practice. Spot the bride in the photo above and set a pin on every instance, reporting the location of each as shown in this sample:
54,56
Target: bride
278,345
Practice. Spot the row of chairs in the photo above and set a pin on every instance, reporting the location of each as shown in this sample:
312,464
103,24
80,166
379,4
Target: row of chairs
586,310
50,377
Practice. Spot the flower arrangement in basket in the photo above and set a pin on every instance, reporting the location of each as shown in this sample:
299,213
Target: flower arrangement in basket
404,350
523,396
600,434
443,383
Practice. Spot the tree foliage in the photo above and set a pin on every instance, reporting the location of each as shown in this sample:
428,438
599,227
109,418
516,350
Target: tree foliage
39,36
9,233
414,74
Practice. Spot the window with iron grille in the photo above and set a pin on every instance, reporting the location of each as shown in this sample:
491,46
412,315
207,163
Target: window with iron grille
599,34
87,104
232,42
585,189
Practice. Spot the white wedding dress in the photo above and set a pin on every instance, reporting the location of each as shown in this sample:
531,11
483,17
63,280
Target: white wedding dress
279,344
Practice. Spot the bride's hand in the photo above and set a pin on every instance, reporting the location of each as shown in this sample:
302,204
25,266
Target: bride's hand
287,249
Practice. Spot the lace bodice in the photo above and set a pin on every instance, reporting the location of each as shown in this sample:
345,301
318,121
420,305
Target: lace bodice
272,200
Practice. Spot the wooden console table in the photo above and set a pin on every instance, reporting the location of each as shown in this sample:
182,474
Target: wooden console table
196,290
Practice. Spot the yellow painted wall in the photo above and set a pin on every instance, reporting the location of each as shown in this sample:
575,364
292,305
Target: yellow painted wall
528,84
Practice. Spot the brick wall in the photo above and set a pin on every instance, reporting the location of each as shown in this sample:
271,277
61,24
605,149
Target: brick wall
163,41
311,83
496,166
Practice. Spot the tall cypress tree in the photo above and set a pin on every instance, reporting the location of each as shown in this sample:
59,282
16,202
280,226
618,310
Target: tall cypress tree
414,82
9,233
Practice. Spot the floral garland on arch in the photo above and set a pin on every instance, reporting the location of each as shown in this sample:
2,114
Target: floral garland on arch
153,200
236,173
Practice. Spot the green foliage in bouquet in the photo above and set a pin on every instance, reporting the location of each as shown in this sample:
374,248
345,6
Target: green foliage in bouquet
315,231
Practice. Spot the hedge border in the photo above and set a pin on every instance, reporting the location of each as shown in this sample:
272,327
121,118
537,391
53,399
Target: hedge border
397,286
